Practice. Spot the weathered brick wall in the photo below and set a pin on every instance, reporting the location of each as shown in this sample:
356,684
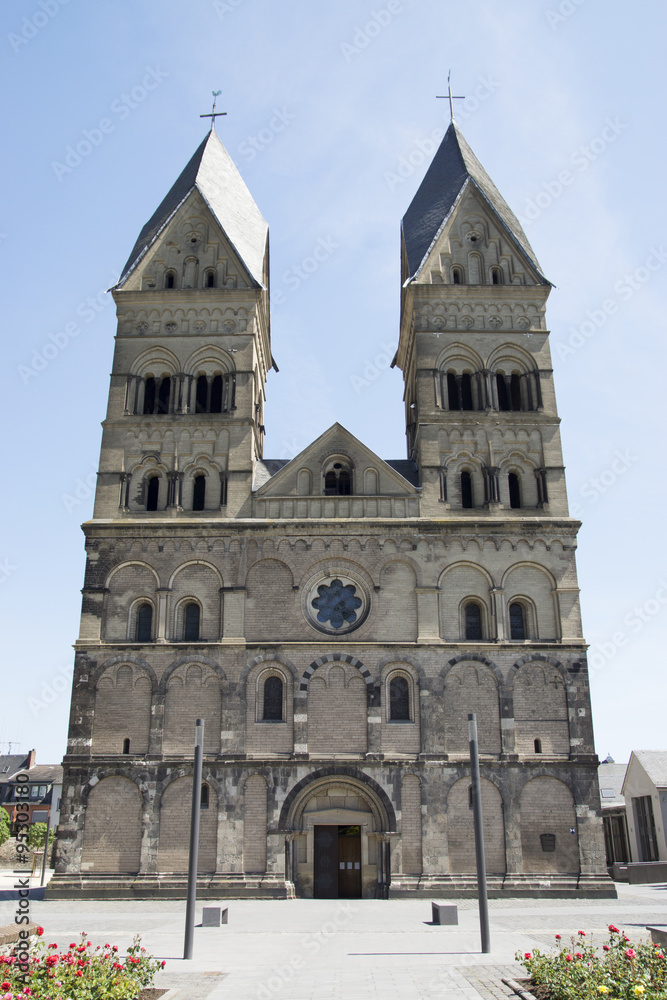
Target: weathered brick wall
254,824
411,824
461,830
337,710
127,586
174,842
400,737
271,602
268,736
536,585
112,835
471,687
397,603
547,808
202,583
540,710
122,710
193,692
459,584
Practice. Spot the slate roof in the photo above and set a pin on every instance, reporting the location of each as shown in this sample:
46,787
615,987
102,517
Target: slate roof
654,763
265,469
611,777
14,762
453,167
406,468
46,774
212,173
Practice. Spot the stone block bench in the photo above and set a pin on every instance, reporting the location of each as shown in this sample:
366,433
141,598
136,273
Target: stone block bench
9,933
444,913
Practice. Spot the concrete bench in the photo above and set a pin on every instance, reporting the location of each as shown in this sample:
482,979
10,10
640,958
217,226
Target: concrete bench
213,916
9,933
658,934
444,913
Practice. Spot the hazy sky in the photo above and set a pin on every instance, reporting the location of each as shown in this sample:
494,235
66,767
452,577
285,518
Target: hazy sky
331,121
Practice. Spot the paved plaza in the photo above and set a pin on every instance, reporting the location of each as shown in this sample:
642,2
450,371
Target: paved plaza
342,950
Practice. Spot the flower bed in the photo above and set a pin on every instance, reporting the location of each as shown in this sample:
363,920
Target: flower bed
619,970
43,972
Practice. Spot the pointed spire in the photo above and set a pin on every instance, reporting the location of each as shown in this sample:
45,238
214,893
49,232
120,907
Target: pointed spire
212,172
454,166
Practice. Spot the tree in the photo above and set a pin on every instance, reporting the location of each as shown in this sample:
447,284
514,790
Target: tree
37,835
5,828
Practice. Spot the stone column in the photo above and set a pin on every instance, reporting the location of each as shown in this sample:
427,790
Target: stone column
428,625
163,607
498,599
233,626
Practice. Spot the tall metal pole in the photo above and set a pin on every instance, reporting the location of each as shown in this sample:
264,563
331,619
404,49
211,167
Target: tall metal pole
479,835
46,842
194,840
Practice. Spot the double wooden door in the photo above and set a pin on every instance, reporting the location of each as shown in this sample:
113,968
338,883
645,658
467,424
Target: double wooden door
337,862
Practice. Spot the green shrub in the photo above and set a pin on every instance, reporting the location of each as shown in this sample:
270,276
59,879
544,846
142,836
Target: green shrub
5,827
37,835
619,971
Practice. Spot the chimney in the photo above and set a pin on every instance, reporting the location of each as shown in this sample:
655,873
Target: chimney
32,754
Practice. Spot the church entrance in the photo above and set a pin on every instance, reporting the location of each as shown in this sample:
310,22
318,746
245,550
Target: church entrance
337,862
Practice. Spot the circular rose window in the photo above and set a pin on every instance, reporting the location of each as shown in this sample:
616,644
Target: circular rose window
336,605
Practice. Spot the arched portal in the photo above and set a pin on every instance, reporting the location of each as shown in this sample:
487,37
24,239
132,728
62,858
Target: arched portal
337,844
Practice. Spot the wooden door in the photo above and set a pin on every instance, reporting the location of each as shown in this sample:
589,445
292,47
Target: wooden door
326,862
349,862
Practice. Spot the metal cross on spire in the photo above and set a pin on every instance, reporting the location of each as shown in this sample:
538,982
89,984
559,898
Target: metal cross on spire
213,115
449,96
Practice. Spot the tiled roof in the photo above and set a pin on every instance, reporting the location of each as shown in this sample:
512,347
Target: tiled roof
454,166
654,763
212,172
610,777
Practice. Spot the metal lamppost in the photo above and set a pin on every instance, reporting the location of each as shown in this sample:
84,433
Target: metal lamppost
479,835
194,840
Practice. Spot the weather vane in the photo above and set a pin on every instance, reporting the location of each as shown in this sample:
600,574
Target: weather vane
449,96
213,115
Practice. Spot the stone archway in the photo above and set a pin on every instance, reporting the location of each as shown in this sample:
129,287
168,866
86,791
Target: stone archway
336,845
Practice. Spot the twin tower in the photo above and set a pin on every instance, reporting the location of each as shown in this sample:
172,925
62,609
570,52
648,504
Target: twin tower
333,618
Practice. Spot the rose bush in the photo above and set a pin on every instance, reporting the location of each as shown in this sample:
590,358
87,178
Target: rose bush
79,973
622,971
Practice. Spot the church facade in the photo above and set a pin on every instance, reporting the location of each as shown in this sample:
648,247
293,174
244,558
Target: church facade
333,618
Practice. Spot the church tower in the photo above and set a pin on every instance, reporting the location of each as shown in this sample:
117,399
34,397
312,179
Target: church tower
335,617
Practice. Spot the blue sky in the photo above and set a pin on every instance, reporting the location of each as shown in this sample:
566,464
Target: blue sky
331,114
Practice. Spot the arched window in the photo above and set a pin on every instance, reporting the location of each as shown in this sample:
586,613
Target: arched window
149,395
496,276
191,622
337,481
153,493
144,627
210,278
457,276
126,745
466,490
399,700
515,391
163,395
473,621
202,394
199,493
344,483
515,489
170,279
203,797
538,746
216,394
466,392
273,700
453,397
503,395
517,621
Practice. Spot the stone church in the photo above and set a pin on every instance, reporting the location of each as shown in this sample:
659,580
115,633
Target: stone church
333,618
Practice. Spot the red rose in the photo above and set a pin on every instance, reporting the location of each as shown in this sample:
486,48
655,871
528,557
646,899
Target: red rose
660,955
53,946
578,954
6,986
581,933
613,930
51,960
73,944
630,953
527,954
605,947
557,937
40,931
78,972
163,964
568,958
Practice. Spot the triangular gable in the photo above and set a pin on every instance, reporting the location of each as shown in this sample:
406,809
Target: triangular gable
337,440
454,166
212,172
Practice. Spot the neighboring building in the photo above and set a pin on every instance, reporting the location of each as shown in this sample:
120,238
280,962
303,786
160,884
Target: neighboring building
44,784
334,618
645,791
611,776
